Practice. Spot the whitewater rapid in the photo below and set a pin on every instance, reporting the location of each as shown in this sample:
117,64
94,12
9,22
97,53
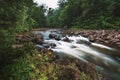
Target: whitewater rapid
81,48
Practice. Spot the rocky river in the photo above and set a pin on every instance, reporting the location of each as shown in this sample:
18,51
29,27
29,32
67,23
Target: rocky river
100,47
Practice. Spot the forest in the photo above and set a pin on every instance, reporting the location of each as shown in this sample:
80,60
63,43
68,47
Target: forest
24,62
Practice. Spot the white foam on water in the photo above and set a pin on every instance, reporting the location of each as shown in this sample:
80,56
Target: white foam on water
77,38
102,46
85,52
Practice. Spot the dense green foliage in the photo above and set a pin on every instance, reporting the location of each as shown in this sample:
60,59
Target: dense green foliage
21,14
88,14
38,15
15,16
52,18
14,13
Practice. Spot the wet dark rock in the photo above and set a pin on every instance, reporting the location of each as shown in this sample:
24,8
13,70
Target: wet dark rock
57,38
46,45
52,45
66,39
52,36
73,46
40,47
83,42
92,39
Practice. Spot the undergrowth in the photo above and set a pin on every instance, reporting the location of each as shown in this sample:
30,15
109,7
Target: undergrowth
43,65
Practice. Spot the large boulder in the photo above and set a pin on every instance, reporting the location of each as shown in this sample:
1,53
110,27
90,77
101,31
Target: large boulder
66,39
54,36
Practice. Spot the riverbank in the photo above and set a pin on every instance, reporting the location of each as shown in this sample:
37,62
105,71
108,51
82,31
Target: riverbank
108,37
68,68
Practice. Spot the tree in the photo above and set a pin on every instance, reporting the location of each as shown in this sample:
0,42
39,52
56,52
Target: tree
14,13
38,14
52,18
90,13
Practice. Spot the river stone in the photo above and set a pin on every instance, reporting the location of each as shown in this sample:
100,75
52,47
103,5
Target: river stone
40,47
52,45
66,39
83,42
52,36
38,39
46,45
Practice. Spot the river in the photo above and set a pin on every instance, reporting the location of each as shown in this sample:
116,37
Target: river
80,47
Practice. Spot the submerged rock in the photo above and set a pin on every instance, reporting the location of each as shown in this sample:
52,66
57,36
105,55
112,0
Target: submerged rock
40,47
83,42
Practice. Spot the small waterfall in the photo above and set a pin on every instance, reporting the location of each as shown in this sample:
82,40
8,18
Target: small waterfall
81,48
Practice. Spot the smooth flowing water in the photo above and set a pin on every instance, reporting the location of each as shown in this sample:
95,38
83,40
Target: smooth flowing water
81,48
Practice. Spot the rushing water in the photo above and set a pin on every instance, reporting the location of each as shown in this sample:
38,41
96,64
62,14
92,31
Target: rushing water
81,48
